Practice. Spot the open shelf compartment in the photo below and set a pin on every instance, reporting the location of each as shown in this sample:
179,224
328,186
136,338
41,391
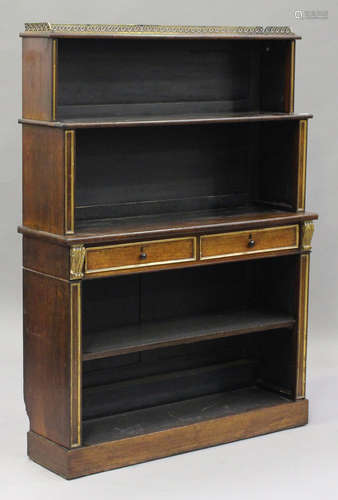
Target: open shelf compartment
162,349
100,78
155,390
199,171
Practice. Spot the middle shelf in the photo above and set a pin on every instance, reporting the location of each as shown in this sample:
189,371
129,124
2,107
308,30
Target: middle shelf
155,334
141,312
159,114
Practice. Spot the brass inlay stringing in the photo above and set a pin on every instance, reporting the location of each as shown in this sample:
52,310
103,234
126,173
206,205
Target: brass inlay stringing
77,257
69,180
155,29
146,264
302,148
292,76
302,324
247,232
307,230
75,359
54,80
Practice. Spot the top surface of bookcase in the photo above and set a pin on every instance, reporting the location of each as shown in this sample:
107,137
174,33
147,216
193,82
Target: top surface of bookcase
52,30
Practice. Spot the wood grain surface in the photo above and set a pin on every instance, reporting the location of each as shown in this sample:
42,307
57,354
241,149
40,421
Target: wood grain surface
43,179
246,242
37,80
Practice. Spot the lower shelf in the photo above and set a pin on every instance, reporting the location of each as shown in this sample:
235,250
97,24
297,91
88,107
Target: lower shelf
187,412
203,422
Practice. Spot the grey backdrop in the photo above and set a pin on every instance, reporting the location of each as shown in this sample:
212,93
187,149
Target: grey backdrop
300,463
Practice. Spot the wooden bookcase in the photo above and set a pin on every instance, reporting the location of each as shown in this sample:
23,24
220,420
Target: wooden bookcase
166,244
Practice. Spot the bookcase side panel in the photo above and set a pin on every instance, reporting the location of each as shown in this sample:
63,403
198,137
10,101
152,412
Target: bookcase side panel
306,234
45,257
38,79
52,357
304,269
302,160
44,178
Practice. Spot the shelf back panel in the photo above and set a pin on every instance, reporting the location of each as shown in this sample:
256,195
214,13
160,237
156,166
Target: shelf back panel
130,172
100,78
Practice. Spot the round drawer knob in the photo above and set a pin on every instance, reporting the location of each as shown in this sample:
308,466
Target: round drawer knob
251,243
143,254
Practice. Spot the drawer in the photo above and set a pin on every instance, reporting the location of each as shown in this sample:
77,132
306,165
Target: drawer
141,254
216,246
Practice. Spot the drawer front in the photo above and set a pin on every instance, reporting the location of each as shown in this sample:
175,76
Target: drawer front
215,246
141,254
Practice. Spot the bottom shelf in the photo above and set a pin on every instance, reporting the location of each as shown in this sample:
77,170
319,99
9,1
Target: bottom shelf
187,412
242,414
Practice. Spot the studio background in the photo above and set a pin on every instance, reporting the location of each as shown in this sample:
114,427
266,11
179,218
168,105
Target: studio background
301,463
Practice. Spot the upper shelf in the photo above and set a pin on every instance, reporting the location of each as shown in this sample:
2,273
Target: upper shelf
146,30
101,80
167,118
